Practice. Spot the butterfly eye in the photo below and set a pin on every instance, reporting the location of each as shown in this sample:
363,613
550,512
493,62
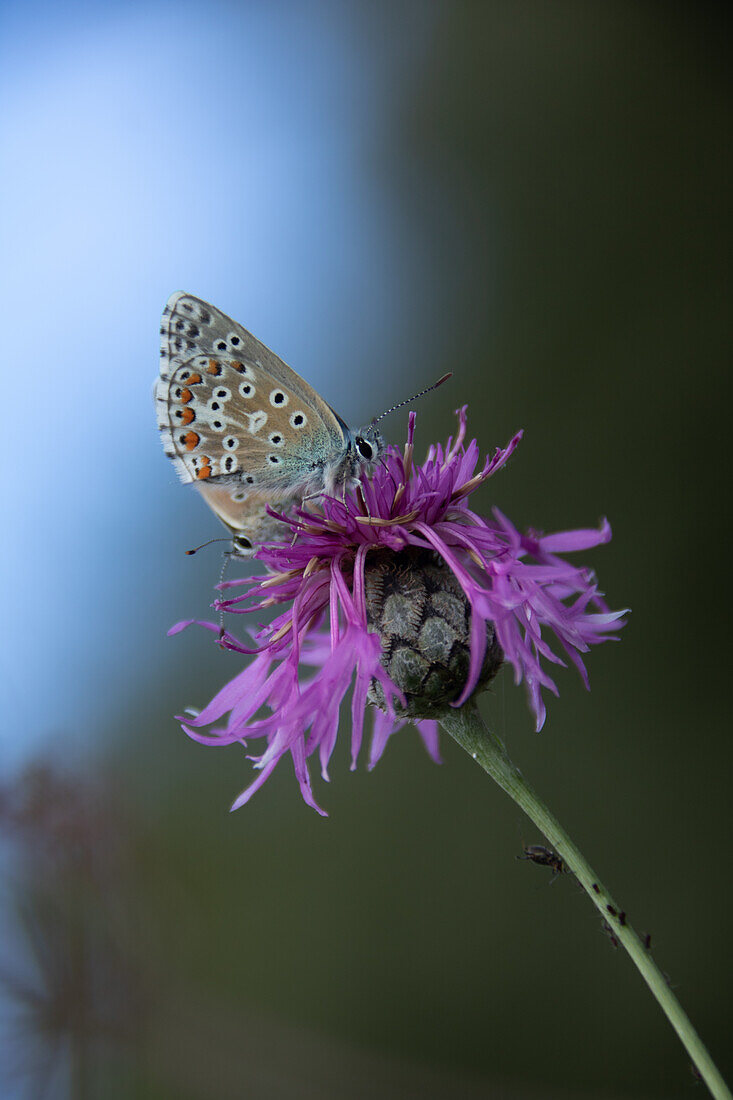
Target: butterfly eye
364,448
242,543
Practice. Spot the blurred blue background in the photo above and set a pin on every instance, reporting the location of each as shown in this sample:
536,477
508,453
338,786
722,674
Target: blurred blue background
533,196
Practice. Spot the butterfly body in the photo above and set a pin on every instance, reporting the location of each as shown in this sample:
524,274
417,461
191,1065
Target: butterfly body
243,426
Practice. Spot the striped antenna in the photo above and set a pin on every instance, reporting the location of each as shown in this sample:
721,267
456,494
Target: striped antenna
414,397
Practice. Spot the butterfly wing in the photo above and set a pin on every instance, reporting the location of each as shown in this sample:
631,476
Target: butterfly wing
231,412
244,513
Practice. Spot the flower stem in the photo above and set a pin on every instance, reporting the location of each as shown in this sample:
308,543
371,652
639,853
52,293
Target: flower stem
468,728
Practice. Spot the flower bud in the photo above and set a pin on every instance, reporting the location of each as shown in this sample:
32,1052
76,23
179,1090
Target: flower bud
418,608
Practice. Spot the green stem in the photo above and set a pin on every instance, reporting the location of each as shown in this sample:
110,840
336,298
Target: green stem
467,727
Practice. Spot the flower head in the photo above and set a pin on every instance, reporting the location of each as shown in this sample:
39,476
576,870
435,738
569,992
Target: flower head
402,589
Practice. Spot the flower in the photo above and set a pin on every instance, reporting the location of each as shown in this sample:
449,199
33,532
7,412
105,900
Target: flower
355,572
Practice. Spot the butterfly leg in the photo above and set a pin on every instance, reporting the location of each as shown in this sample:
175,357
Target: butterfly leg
303,500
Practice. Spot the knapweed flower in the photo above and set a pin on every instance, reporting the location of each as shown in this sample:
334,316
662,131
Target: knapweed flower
404,591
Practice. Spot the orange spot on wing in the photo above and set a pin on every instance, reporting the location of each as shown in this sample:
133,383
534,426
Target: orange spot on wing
186,395
213,367
194,379
187,416
203,472
237,366
192,440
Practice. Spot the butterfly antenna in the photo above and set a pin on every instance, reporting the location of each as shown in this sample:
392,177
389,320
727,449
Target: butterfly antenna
414,397
207,543
224,565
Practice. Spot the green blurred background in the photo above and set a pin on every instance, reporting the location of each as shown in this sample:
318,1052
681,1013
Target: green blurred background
535,196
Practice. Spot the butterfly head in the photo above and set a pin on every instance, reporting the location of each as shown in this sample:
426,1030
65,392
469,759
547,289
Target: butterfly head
368,445
361,449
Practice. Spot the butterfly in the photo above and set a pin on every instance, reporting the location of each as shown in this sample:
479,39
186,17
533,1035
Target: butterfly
244,427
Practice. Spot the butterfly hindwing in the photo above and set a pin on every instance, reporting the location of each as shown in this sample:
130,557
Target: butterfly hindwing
244,513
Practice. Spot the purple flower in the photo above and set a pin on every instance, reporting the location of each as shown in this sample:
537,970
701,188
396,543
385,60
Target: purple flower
404,521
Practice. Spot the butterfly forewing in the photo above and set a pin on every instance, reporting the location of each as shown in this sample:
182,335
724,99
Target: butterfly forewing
240,424
229,407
